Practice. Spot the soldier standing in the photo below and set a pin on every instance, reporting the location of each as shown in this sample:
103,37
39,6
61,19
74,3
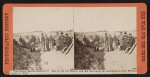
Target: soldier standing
102,40
51,42
106,42
43,42
68,40
131,41
125,41
32,42
101,43
116,42
47,43
120,41
96,43
21,40
60,41
110,40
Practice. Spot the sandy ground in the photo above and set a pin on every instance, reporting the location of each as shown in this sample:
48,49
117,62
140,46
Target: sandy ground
114,60
119,60
57,60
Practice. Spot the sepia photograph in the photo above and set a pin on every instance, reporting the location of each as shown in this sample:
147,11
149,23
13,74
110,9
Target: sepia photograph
43,38
105,38
85,38
74,39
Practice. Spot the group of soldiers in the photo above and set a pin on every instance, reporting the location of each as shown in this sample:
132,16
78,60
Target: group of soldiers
107,42
46,43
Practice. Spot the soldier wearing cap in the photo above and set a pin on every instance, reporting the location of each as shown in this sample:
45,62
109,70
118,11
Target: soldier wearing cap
110,40
51,42
120,41
47,43
60,41
125,41
106,42
116,42
43,42
131,40
68,40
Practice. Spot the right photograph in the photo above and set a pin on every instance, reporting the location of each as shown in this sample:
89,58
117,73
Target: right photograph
105,38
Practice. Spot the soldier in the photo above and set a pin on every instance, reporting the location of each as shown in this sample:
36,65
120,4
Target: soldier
22,42
60,41
125,41
36,43
110,40
32,42
68,40
116,42
106,42
43,42
101,43
51,42
95,43
47,43
131,41
102,39
120,41
38,39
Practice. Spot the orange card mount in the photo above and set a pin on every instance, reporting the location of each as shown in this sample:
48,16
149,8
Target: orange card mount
141,37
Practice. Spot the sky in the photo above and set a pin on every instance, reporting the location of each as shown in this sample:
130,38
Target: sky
86,19
28,19
105,18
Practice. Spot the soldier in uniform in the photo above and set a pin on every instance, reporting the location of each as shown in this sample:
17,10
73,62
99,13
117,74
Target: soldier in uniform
116,42
32,42
102,40
47,43
95,43
125,41
120,41
38,39
60,41
68,40
101,43
131,41
51,42
106,42
22,42
110,40
43,42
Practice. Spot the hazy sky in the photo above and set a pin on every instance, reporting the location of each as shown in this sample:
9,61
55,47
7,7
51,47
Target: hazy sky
105,18
27,19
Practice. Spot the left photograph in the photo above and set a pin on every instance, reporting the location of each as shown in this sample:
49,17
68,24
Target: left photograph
43,38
